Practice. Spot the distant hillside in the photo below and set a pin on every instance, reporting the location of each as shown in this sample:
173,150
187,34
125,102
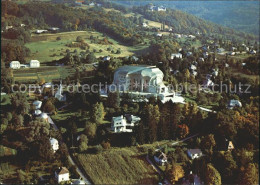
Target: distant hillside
239,15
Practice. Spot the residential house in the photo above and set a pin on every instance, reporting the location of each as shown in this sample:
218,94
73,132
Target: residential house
145,25
15,65
161,8
233,48
40,31
54,144
232,53
189,54
194,153
44,116
34,64
106,58
177,35
191,36
124,123
37,112
92,4
205,54
159,34
62,175
160,158
201,59
230,146
37,104
176,55
252,52
220,50
205,48
208,83
234,103
193,67
191,179
215,72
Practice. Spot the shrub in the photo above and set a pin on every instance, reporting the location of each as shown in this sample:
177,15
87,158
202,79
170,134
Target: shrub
105,145
58,38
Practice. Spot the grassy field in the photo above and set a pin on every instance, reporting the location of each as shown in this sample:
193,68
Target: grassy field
48,73
46,48
128,165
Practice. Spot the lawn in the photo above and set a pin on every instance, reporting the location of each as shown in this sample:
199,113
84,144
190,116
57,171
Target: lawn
118,166
46,48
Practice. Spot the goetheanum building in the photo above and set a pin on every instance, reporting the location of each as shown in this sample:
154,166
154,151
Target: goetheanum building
142,81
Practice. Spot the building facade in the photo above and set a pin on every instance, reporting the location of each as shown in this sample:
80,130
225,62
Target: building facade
34,64
124,123
15,65
143,81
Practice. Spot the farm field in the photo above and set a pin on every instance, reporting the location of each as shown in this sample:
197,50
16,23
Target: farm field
48,73
46,47
129,167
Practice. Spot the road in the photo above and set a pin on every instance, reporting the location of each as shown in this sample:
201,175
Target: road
82,176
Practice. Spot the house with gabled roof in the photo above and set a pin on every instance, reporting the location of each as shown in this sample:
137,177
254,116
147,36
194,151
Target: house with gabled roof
62,174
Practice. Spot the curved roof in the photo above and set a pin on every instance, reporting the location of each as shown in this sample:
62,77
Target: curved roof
37,112
53,141
37,102
144,70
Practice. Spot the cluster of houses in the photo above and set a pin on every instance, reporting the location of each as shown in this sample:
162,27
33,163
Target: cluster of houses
51,30
82,3
157,8
18,65
177,35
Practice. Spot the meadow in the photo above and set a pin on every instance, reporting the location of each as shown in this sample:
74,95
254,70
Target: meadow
46,47
128,165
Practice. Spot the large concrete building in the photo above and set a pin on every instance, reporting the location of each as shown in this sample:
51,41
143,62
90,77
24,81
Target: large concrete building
142,81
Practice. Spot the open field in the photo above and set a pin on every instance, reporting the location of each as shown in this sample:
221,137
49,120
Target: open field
128,165
48,73
46,47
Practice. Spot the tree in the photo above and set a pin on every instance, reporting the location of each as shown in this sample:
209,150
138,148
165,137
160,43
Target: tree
49,107
79,39
249,175
183,130
72,129
83,143
176,172
207,143
212,176
91,58
98,113
90,130
113,100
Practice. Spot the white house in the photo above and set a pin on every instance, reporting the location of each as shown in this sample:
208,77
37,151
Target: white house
207,83
124,123
234,103
205,54
161,8
145,25
37,112
59,94
62,175
40,31
15,65
252,52
54,144
189,54
159,34
177,35
194,153
37,104
176,55
232,53
106,58
201,59
191,36
34,64
193,67
220,50
160,158
44,116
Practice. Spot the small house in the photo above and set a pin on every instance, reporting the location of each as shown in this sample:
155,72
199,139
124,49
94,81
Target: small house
176,55
205,54
252,52
62,175
232,53
207,83
37,104
201,59
54,144
107,58
15,65
159,34
194,153
189,54
160,158
145,25
230,146
34,64
37,112
161,8
220,50
234,103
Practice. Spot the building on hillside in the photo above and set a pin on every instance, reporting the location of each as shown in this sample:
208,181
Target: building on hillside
145,25
44,116
34,64
234,103
220,50
124,123
59,94
37,112
142,81
106,58
176,55
161,9
201,59
159,34
54,144
231,53
207,83
205,55
15,65
252,52
62,175
160,158
230,146
191,179
37,104
189,54
41,31
194,153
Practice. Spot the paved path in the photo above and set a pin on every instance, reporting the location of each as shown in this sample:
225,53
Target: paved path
83,177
